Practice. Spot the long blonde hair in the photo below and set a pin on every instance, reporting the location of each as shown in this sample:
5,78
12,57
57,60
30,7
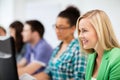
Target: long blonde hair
103,27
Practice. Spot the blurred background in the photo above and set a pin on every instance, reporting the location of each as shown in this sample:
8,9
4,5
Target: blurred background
47,10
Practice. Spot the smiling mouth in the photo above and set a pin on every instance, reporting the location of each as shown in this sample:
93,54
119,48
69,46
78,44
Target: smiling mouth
84,42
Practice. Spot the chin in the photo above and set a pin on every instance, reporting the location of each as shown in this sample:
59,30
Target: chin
24,40
86,47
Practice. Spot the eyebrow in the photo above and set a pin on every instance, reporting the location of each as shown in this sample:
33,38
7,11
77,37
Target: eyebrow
59,25
83,28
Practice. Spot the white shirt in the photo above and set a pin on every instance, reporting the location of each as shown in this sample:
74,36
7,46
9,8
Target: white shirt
93,78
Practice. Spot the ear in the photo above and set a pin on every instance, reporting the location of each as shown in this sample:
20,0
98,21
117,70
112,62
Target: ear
34,33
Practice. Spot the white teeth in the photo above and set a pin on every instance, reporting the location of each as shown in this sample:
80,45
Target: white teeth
84,41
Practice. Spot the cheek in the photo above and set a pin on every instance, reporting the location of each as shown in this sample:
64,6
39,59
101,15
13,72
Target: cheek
94,38
27,34
24,34
86,35
57,31
13,34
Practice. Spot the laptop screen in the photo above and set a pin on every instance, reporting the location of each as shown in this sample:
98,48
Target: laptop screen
8,69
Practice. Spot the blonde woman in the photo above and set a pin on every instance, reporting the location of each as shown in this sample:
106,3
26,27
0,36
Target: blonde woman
97,38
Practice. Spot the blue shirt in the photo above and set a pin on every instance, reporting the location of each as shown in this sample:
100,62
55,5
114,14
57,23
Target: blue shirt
71,64
40,53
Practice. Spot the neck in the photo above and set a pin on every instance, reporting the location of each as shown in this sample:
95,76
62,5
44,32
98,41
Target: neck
67,41
100,52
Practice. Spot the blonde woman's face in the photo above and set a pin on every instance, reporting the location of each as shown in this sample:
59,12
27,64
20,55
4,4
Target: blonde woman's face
87,34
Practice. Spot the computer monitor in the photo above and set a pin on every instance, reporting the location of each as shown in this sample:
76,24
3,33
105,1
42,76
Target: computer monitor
8,68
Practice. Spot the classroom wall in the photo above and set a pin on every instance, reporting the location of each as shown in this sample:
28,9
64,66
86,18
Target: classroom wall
46,11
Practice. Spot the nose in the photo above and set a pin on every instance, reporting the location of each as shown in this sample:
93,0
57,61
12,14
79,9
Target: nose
58,30
80,36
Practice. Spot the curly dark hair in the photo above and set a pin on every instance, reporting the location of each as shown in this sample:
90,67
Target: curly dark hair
71,13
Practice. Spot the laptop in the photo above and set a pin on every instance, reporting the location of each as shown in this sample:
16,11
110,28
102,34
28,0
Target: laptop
8,68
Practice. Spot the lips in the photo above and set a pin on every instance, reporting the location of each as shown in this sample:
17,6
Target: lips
84,41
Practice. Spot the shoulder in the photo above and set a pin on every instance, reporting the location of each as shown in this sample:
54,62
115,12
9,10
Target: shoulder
44,44
115,52
75,50
74,44
91,56
114,56
114,64
75,41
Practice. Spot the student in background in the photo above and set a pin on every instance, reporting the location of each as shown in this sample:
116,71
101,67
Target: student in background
2,31
38,51
16,29
66,63
98,39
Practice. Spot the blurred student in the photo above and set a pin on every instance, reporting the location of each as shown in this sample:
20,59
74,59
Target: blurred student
16,29
38,51
2,31
66,63
98,39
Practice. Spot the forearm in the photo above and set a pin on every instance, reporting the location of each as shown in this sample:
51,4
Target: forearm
20,66
42,76
30,68
22,63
